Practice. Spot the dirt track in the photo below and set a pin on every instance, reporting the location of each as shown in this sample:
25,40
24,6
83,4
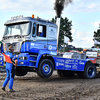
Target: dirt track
32,87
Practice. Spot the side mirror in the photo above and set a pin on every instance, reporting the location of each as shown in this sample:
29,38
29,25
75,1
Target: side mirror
40,29
1,47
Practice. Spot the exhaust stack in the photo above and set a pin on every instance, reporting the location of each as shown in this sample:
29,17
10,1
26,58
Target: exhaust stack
59,6
58,29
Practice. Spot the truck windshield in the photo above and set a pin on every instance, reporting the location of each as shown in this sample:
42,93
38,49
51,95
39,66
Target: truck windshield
17,29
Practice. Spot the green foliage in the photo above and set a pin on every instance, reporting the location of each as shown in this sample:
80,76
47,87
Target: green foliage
67,49
1,42
65,27
97,36
79,49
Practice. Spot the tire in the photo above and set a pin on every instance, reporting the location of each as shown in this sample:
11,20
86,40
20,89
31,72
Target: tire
65,73
45,68
90,71
20,71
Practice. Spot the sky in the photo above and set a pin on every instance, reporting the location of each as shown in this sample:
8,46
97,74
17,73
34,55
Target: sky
84,14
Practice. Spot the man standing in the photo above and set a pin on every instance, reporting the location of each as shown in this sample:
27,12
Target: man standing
11,62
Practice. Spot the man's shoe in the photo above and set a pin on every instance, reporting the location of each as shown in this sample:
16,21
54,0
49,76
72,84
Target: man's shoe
3,88
11,90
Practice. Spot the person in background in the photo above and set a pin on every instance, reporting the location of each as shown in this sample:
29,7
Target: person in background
10,68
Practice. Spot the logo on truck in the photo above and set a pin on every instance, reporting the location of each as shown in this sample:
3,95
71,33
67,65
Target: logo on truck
59,64
69,61
50,47
82,63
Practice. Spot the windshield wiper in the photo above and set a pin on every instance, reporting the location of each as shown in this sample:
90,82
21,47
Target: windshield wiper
9,36
17,36
6,37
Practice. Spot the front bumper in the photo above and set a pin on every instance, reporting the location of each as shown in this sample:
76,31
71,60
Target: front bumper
24,59
2,60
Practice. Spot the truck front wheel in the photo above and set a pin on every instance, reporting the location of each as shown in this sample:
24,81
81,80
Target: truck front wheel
89,71
45,68
20,71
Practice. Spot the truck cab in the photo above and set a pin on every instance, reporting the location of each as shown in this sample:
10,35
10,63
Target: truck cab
33,39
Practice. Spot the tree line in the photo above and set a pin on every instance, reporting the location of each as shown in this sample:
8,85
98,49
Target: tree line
65,30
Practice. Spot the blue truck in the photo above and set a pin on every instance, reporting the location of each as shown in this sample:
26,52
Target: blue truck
35,45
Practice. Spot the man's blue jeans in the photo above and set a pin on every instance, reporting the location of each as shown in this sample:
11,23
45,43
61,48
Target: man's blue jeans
10,75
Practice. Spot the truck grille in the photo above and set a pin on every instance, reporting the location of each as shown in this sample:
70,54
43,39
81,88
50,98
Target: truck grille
17,47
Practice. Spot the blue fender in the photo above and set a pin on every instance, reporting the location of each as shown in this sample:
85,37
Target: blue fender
38,59
41,53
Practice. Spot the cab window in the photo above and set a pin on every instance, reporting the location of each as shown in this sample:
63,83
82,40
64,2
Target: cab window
43,33
34,30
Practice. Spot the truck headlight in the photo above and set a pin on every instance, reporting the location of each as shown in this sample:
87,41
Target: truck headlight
0,58
21,62
23,58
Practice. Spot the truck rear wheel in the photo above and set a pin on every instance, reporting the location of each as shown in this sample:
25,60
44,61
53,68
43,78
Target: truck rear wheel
20,71
90,71
45,68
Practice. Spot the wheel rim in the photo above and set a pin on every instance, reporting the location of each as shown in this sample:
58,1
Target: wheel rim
90,72
46,69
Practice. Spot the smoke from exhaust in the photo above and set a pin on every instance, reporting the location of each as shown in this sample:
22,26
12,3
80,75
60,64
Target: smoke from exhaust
59,6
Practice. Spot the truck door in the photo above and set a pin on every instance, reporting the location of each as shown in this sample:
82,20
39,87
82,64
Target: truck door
39,37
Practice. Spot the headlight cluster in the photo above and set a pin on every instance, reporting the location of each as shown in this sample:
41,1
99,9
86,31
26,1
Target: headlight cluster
0,58
23,58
